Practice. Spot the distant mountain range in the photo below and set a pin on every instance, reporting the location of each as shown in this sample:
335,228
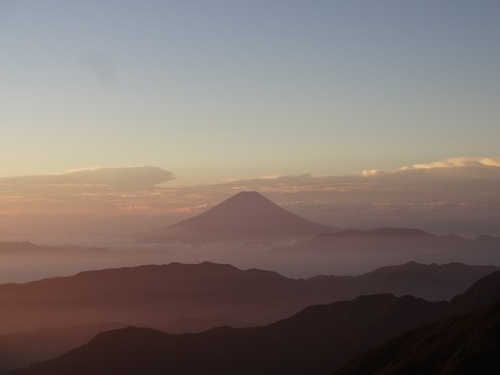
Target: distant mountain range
190,298
317,340
393,236
150,295
157,294
23,248
251,231
247,215
383,245
251,221
432,282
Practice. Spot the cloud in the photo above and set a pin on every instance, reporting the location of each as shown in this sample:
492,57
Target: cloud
371,172
456,163
101,66
195,209
101,176
132,176
461,171
459,194
451,195
448,178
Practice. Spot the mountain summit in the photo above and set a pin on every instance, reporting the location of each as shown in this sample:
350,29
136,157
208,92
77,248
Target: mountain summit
246,215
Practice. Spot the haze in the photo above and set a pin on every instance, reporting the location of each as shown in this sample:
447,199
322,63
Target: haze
122,118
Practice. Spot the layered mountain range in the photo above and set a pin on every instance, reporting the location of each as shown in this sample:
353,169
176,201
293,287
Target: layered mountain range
317,340
158,294
43,319
165,314
249,230
466,342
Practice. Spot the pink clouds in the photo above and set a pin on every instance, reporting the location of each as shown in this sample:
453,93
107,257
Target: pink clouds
460,193
457,163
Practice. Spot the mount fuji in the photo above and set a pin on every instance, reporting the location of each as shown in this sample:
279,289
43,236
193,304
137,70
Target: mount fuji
247,215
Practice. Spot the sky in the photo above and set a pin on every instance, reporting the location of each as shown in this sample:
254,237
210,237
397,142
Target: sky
351,113
215,91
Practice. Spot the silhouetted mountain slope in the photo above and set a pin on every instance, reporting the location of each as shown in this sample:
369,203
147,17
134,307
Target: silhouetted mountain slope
485,239
479,295
160,295
23,348
151,295
246,215
317,340
311,341
194,325
459,344
462,344
432,282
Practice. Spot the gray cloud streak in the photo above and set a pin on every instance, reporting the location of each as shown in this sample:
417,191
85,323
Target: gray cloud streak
101,66
102,176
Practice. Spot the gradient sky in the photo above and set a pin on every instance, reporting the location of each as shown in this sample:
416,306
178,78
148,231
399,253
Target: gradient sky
218,90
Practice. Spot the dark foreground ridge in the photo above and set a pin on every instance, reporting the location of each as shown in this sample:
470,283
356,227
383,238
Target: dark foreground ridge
466,342
312,341
459,345
318,340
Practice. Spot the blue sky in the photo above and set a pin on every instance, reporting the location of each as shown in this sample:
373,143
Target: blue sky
218,90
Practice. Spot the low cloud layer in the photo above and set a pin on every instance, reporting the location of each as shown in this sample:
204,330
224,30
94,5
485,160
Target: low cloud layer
459,195
451,176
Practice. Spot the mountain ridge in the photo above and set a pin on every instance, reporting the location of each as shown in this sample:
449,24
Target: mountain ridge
281,347
318,339
145,295
464,342
248,215
195,302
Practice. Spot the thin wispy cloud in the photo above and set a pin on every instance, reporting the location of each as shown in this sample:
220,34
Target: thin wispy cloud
101,66
98,176
457,163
